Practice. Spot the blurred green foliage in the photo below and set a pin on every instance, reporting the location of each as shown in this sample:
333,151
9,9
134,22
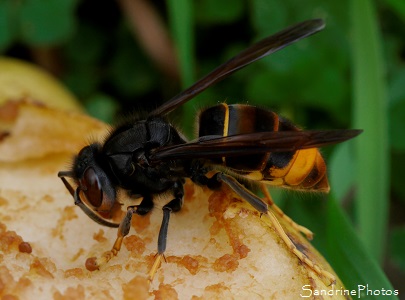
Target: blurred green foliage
311,82
39,23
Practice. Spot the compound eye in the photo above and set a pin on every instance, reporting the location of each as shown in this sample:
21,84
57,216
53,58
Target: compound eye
91,187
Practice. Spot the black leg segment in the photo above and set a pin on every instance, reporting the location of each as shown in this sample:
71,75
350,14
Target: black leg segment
244,193
173,206
145,206
162,239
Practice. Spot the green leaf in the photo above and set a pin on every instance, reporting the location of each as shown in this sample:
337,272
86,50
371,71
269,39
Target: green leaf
370,114
341,167
349,258
181,13
47,22
181,22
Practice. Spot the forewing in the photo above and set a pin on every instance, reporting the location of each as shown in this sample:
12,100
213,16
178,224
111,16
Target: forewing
253,143
257,51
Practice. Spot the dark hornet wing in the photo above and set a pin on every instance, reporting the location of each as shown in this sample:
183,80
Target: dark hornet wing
255,52
253,143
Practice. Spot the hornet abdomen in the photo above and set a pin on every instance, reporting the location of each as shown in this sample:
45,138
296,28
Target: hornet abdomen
302,169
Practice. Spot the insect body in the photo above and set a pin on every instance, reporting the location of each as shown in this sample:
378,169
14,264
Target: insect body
302,169
149,157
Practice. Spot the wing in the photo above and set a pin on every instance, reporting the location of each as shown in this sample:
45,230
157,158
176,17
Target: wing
257,51
253,143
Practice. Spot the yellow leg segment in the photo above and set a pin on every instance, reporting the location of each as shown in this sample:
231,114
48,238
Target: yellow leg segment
328,278
269,200
155,266
93,263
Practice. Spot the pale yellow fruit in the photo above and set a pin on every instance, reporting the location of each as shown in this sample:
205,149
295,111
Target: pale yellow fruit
22,80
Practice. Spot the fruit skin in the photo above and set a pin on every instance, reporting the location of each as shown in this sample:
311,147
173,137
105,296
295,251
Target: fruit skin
22,80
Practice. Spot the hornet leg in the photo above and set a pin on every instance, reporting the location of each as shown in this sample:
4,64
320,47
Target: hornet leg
173,206
143,208
308,233
262,207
